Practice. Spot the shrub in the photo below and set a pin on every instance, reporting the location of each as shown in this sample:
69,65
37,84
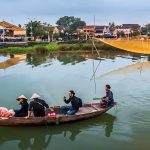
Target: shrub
41,49
53,47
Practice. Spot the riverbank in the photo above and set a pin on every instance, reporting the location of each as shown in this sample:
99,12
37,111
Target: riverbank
13,44
54,47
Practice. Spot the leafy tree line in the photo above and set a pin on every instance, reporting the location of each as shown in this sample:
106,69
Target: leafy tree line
66,25
70,24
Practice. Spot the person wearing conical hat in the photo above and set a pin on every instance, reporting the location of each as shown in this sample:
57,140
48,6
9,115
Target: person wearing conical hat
23,111
37,105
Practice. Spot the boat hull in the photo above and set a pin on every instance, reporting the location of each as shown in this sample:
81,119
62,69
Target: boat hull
86,112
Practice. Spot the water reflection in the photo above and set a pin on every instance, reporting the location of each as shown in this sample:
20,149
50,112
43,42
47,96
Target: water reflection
14,59
72,58
137,67
37,59
40,137
39,142
77,57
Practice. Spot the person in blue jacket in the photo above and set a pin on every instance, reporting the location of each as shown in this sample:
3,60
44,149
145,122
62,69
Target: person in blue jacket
107,100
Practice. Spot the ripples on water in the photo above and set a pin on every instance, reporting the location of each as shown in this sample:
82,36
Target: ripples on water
54,74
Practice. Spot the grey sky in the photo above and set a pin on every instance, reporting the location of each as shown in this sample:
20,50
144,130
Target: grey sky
119,11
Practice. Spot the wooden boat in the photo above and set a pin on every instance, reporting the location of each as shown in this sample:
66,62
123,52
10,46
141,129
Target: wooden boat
86,112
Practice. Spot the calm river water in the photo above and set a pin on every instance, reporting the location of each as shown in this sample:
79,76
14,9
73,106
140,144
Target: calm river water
52,75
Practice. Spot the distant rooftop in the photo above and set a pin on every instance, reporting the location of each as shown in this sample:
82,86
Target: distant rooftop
94,26
131,26
11,26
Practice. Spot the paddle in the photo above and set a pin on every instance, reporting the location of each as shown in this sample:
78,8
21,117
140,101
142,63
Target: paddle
96,98
3,118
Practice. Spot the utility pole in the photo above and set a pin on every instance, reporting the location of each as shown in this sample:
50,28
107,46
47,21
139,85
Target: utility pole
31,29
94,20
3,32
94,27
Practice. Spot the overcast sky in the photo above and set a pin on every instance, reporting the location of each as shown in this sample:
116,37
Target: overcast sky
105,11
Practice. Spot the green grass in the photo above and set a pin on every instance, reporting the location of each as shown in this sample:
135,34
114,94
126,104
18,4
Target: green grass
75,42
52,47
65,46
17,50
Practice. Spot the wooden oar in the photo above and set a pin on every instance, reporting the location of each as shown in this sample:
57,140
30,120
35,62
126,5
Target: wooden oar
96,98
3,118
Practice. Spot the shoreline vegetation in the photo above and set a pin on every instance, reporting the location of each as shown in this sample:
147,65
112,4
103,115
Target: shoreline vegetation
73,45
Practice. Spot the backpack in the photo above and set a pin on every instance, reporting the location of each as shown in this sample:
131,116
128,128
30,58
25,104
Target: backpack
79,102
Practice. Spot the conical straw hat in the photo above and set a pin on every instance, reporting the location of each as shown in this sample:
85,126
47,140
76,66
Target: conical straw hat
34,96
21,96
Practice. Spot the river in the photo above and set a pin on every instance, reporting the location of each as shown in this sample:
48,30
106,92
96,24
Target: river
126,126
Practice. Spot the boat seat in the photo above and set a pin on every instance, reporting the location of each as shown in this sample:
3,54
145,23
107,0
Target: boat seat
84,110
97,107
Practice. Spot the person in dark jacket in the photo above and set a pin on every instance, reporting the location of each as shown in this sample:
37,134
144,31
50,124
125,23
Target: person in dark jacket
38,106
107,100
23,111
70,110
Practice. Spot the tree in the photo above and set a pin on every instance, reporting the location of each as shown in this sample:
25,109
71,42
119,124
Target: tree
111,24
19,25
136,33
36,29
148,29
122,34
70,24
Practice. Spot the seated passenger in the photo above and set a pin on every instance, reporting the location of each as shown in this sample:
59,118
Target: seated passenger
71,110
37,106
6,113
23,111
107,100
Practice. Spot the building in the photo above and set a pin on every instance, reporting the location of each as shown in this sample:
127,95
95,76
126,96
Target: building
92,30
101,31
132,27
128,30
10,31
53,32
117,32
